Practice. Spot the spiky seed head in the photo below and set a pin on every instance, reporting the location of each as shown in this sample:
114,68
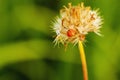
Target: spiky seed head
75,22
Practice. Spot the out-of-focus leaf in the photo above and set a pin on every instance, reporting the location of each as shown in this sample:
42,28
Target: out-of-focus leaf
36,18
22,51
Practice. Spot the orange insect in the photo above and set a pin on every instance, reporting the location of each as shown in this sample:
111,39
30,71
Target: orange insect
71,32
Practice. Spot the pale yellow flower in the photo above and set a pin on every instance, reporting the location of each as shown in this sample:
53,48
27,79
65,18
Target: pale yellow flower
75,22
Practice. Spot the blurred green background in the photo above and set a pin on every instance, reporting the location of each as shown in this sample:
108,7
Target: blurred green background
27,51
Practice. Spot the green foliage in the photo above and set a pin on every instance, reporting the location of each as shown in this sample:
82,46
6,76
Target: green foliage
27,51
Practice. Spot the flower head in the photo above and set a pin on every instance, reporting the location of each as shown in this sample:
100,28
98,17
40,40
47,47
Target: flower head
75,22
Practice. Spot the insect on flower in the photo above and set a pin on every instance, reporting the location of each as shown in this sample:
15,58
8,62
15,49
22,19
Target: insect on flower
75,22
71,32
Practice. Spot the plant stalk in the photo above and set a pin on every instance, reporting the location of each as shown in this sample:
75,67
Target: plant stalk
83,60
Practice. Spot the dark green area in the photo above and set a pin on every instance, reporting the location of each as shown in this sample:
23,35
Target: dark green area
27,51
